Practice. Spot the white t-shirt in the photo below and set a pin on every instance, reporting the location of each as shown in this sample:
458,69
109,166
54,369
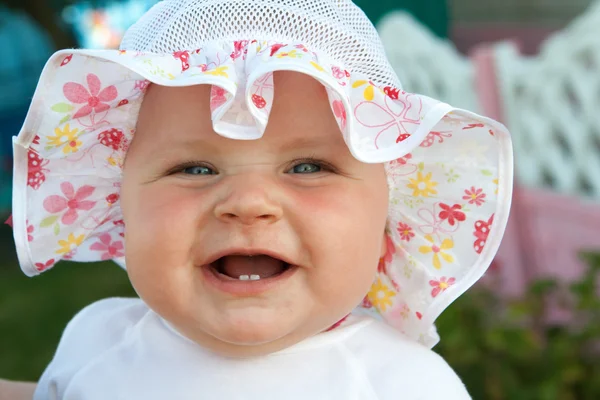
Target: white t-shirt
120,349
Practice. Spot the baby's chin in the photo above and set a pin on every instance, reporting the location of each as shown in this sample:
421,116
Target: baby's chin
249,337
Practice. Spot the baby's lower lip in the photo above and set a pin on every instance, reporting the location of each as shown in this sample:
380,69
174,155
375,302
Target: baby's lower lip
245,288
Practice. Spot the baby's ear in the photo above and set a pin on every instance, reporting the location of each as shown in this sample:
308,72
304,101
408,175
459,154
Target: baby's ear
384,245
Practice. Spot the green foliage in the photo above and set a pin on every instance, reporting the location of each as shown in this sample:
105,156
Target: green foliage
508,349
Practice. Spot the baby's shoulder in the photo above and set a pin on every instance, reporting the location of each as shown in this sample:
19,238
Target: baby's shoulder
397,366
98,327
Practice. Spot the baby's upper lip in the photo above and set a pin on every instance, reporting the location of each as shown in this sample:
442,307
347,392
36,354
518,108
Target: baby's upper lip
254,251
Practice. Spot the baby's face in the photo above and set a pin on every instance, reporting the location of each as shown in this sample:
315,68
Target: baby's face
196,205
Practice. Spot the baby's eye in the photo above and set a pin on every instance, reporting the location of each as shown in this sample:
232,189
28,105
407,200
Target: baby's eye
306,168
198,170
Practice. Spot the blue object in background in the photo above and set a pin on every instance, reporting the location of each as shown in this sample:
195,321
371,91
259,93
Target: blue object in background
24,49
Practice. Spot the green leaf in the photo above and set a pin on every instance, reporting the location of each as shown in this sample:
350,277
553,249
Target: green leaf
421,166
56,229
62,107
46,222
487,172
65,119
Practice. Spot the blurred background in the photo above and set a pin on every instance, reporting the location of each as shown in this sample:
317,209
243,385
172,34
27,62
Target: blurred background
531,328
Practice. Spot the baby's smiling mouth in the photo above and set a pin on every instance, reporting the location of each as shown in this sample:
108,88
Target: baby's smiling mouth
249,267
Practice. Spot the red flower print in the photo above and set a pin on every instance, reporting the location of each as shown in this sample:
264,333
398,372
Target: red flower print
36,140
452,214
119,222
475,196
35,169
239,48
66,60
402,137
366,303
112,198
94,99
72,202
184,57
405,231
44,266
392,92
339,111
482,230
276,47
111,249
259,101
419,315
123,103
9,221
441,285
70,255
112,138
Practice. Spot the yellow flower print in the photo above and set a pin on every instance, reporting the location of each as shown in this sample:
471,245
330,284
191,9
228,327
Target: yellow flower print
65,137
447,244
369,93
496,181
70,244
317,66
380,295
423,185
219,71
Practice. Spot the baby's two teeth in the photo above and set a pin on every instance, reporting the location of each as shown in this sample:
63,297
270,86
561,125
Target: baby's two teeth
249,278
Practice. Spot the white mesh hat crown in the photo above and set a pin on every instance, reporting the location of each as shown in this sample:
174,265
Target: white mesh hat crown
337,28
449,170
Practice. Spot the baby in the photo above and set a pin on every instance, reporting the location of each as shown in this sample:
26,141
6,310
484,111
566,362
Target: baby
292,221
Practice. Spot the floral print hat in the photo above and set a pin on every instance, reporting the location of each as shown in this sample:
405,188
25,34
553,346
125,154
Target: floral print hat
449,170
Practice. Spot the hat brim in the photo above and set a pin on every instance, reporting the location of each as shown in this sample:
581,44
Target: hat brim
449,170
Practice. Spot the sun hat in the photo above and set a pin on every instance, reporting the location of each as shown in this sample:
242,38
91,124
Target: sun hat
449,170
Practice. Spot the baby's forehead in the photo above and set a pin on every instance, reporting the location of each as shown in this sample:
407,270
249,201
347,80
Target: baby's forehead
300,113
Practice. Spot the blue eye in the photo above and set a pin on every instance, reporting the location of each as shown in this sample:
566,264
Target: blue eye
306,168
198,170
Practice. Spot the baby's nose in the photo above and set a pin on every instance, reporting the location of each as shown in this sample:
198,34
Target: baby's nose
249,201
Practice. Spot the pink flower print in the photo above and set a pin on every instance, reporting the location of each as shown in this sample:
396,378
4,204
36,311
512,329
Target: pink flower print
111,249
41,267
70,254
30,230
217,97
482,231
475,196
391,117
95,98
341,321
338,73
452,214
142,85
472,126
340,112
72,202
405,231
9,221
432,136
390,249
441,285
